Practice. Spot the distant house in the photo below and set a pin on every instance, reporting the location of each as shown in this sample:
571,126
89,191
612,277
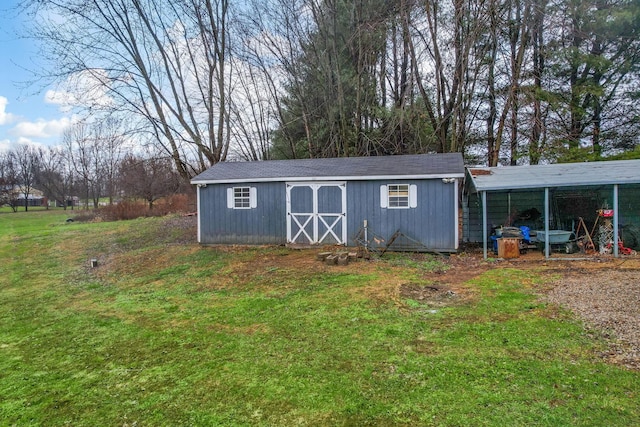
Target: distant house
332,201
34,198
15,196
70,202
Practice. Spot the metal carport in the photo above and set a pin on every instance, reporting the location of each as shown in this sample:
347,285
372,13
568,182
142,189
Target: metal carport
607,175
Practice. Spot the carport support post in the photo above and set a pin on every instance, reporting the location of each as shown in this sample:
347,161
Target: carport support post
616,237
484,223
546,222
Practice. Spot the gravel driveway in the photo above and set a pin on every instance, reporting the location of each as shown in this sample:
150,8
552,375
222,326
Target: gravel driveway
608,300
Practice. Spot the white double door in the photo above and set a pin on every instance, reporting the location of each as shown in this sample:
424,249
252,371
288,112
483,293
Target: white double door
317,213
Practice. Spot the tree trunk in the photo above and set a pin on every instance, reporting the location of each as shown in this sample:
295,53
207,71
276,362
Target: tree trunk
538,71
493,152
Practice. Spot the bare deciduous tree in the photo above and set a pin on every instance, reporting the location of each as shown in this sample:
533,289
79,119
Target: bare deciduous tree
82,152
148,178
55,176
164,61
110,151
9,183
25,158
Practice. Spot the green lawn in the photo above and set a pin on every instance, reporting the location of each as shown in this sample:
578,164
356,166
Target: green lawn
167,333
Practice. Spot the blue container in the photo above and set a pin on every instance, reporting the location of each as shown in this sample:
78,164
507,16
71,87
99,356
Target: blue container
494,243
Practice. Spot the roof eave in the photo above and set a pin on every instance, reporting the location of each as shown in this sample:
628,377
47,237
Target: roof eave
327,178
480,188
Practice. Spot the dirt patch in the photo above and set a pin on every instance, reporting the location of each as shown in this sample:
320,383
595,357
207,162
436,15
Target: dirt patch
447,285
435,295
274,263
462,268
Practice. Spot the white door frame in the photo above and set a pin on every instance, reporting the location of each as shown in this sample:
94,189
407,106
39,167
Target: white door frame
328,219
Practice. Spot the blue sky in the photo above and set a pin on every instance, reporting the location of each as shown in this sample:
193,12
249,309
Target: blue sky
25,114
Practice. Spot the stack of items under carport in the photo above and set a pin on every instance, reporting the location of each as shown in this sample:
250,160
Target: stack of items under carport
510,241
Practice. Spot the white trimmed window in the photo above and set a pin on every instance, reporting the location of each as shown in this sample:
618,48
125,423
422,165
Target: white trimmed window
241,198
398,196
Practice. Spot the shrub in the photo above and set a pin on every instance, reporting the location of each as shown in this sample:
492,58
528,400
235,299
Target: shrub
131,209
125,209
174,203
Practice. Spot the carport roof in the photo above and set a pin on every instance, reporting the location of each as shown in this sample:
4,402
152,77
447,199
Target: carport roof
554,175
417,166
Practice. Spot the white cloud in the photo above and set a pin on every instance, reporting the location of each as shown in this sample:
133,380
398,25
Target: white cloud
5,118
27,141
83,89
8,145
5,145
65,100
41,128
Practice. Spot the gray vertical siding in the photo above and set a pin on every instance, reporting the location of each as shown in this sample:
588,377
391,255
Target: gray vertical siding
433,222
266,224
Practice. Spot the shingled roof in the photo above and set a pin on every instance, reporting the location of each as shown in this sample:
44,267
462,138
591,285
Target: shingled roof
417,166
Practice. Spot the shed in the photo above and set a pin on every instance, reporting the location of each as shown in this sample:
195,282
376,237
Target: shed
330,201
554,196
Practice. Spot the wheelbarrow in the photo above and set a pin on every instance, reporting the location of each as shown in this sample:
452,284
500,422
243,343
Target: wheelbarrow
558,239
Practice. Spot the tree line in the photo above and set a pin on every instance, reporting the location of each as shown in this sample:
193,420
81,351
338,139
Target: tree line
94,163
502,81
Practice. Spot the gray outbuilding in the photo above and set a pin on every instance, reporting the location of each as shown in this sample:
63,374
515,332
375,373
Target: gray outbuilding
331,201
554,197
